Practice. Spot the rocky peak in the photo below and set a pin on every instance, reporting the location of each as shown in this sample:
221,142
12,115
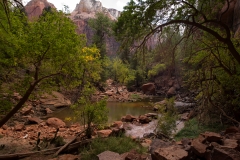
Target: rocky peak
34,8
86,9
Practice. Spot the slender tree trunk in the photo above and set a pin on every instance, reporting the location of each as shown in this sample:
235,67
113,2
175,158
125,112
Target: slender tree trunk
19,105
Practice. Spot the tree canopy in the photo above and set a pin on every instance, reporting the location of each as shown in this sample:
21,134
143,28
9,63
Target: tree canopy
206,45
44,54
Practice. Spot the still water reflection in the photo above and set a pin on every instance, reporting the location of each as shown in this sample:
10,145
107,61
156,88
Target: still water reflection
116,110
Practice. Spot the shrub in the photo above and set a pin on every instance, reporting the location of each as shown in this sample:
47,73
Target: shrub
193,128
114,144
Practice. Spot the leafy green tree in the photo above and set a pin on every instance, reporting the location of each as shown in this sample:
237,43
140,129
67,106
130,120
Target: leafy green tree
121,72
151,17
212,52
49,54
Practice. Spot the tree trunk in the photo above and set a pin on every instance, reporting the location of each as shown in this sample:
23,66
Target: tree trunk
19,105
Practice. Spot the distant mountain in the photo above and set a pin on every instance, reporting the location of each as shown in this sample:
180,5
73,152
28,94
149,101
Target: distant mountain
88,8
84,10
34,8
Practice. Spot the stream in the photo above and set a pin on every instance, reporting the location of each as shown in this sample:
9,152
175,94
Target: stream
120,109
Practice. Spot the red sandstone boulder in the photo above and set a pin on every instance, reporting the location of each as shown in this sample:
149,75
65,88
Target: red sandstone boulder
54,99
55,122
108,155
149,88
133,155
34,120
170,153
48,111
212,137
128,118
67,157
104,133
171,92
198,148
19,127
26,110
232,129
5,127
144,119
117,124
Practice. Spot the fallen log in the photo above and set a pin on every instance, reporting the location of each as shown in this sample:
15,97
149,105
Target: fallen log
67,144
43,152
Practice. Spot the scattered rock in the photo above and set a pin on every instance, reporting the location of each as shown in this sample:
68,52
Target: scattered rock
34,120
212,137
158,143
144,119
19,127
170,153
152,115
198,148
48,111
108,155
184,116
67,157
133,155
117,124
104,133
231,144
5,127
171,92
55,122
26,110
55,99
232,129
149,88
128,118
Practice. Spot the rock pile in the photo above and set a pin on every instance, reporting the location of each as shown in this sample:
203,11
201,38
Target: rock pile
209,146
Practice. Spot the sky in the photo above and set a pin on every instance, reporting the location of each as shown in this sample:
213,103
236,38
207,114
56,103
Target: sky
116,4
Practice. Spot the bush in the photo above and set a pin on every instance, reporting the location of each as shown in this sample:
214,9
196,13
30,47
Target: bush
168,118
193,128
114,144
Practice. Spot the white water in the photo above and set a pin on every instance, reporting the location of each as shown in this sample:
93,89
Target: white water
139,131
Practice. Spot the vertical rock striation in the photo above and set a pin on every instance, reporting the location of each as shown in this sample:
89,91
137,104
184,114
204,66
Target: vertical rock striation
34,8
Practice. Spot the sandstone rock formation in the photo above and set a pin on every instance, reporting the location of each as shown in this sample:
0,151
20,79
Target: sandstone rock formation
148,88
34,8
87,9
54,100
230,15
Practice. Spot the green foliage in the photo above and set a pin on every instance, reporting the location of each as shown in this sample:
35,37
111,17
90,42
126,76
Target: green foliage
114,144
45,54
135,97
90,112
193,128
156,69
5,105
121,72
168,118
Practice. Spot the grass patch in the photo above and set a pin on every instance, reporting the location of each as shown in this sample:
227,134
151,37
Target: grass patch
192,129
115,144
135,97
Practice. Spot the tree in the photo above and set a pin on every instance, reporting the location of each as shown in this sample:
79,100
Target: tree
121,72
211,49
102,27
49,54
152,16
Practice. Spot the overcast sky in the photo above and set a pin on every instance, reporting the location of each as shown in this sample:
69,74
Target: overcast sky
116,4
